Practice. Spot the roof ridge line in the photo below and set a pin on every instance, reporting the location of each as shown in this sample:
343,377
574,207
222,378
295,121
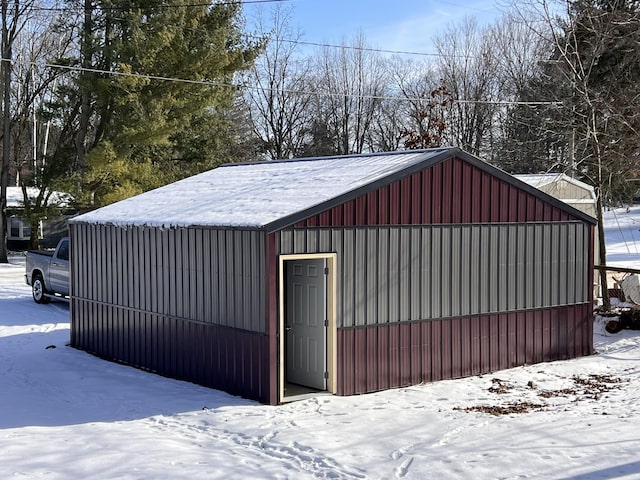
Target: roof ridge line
337,156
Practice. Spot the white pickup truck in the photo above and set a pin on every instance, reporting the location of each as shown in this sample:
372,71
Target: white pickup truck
48,272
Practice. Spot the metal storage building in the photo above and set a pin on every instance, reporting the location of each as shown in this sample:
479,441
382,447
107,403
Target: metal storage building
346,274
576,193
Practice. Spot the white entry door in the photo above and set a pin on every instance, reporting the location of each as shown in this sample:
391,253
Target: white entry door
305,323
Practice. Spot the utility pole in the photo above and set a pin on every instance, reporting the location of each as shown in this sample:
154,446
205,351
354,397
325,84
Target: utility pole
5,68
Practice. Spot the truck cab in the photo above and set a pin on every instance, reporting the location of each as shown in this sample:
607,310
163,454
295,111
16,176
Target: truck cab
48,273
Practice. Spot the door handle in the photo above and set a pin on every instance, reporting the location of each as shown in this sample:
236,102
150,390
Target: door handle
287,328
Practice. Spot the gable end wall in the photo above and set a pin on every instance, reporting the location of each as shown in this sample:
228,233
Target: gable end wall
453,191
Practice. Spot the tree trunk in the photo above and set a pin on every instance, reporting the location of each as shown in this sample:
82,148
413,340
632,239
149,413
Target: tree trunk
606,301
85,97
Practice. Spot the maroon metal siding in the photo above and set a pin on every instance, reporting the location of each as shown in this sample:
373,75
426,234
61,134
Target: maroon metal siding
230,359
400,354
453,191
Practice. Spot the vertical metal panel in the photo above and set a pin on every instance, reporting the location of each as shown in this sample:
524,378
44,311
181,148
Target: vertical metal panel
466,347
425,273
394,275
456,189
472,269
384,292
436,203
406,215
416,256
544,252
383,206
208,278
286,242
223,298
554,264
454,269
416,199
383,356
446,351
348,277
493,277
501,284
346,349
395,213
360,209
416,352
537,242
497,210
426,192
134,267
425,352
404,350
195,294
217,286
436,350
360,273
436,270
231,297
394,355
371,285
528,241
529,339
512,339
446,201
475,340
538,322
350,210
484,260
373,360
467,281
456,349
499,341
361,365
404,274
521,274
487,355
445,272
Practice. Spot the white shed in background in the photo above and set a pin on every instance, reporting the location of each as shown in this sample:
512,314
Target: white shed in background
572,191
579,195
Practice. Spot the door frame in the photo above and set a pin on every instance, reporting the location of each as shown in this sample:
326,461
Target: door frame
331,259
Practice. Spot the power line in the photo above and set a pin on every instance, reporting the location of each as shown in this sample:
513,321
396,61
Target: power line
363,49
288,91
182,5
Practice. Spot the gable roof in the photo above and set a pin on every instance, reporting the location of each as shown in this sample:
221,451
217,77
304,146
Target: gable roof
273,194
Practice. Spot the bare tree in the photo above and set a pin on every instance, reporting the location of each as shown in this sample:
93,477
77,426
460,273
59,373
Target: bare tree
14,15
525,141
280,92
467,67
596,52
351,83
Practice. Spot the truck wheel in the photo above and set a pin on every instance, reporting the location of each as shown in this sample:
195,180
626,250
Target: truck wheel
38,290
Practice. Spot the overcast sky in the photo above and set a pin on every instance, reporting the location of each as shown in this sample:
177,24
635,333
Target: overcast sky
387,24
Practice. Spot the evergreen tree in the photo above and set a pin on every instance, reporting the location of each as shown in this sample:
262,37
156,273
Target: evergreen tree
138,128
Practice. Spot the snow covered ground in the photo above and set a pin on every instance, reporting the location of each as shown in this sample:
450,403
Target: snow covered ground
65,414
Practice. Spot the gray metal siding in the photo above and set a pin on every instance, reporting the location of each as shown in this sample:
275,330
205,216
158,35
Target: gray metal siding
407,273
210,276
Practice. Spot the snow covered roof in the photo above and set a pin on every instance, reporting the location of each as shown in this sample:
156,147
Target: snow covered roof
256,194
15,197
547,179
271,194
